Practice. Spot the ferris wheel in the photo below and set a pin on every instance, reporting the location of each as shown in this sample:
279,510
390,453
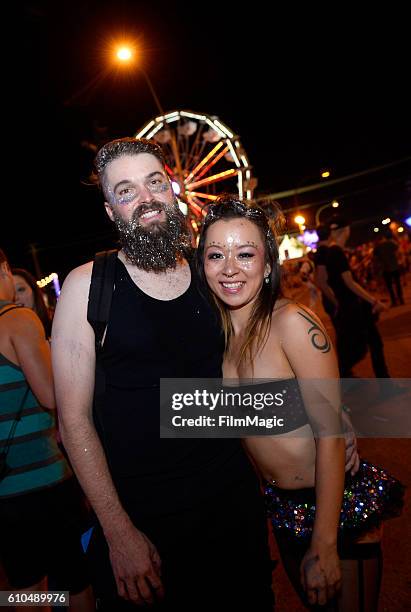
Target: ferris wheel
204,158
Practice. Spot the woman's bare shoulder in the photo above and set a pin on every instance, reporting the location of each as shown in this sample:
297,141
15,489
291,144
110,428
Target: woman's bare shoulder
288,312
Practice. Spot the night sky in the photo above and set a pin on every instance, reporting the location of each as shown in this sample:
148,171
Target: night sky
304,90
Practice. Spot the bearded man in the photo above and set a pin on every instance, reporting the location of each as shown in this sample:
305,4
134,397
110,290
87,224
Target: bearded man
181,524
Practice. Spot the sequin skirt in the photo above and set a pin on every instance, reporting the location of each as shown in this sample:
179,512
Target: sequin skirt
371,496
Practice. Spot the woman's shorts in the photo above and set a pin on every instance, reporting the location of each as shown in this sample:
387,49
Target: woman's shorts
40,536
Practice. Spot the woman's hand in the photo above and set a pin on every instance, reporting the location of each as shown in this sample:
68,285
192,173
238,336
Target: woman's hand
321,573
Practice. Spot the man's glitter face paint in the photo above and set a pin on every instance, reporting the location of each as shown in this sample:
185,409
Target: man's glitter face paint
126,192
136,179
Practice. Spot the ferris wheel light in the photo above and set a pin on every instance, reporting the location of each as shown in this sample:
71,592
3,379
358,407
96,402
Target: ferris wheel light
214,127
201,153
183,207
386,221
176,187
145,129
174,113
400,229
234,154
193,115
220,125
154,130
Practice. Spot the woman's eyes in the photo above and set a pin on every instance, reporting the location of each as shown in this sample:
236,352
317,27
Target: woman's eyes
245,255
214,256
239,256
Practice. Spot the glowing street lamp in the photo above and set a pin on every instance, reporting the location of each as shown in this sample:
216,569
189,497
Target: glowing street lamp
300,221
124,54
325,174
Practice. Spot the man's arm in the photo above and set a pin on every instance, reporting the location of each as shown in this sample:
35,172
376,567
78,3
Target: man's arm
353,286
134,559
321,280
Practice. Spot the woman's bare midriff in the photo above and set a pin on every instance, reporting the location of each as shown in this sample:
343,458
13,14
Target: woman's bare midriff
288,459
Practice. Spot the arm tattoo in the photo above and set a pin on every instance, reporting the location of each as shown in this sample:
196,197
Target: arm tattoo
319,338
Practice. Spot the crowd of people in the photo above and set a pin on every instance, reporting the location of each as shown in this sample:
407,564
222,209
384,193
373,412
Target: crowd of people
181,524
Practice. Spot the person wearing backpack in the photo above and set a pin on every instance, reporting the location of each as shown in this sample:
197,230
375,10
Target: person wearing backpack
180,521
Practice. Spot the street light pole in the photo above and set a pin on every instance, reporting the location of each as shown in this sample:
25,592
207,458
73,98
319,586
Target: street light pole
125,55
152,90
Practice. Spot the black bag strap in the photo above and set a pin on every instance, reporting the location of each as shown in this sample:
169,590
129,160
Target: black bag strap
8,310
17,418
101,292
98,312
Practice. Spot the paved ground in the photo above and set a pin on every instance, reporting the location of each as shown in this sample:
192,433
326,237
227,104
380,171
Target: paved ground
392,453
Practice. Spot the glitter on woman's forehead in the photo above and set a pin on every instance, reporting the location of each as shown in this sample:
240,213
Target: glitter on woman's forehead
231,244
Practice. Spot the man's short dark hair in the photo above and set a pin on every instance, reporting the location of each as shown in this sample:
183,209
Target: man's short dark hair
125,146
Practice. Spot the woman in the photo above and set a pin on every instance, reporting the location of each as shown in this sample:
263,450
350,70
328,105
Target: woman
41,509
29,295
269,337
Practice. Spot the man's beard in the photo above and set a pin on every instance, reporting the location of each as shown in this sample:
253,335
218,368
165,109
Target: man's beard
157,247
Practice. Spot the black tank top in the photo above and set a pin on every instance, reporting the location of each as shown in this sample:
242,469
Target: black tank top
148,339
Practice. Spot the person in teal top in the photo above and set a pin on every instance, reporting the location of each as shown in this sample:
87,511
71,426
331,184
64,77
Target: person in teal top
34,460
41,509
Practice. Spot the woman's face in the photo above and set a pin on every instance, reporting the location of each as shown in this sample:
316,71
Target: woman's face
234,261
24,293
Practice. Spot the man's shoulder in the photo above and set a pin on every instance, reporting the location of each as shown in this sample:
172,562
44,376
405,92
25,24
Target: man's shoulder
79,277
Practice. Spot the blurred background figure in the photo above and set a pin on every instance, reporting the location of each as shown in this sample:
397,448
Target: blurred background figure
387,254
42,511
29,295
307,277
329,301
357,311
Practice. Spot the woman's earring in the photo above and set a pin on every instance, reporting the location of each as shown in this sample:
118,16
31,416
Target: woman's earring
267,279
